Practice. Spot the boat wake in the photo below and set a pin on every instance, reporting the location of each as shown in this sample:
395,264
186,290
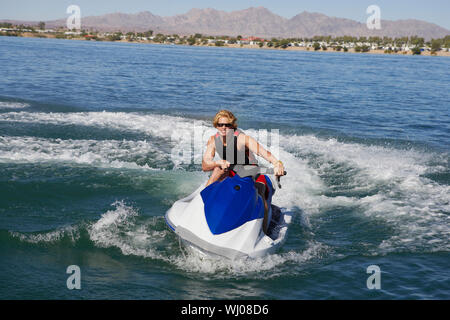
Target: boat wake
379,199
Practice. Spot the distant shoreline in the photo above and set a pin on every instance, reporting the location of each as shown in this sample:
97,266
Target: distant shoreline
440,53
351,50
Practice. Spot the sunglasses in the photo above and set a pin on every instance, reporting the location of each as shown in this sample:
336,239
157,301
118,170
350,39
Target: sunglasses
228,125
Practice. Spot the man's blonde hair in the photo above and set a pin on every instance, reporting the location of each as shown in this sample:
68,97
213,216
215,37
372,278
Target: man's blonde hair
226,114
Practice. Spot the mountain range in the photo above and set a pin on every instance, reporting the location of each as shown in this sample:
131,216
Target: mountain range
254,21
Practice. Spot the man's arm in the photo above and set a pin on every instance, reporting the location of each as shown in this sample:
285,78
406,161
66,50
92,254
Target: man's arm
208,163
259,150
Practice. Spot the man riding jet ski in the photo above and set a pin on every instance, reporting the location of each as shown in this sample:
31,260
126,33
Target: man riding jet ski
232,215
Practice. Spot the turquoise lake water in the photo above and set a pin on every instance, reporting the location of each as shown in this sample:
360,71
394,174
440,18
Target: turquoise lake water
88,169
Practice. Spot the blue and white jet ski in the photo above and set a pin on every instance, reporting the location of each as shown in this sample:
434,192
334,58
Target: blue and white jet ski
226,217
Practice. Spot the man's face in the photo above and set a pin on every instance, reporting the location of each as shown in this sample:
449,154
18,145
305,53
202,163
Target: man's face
223,125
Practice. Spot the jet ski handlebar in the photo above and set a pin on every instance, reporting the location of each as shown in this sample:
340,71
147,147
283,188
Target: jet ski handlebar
277,177
253,171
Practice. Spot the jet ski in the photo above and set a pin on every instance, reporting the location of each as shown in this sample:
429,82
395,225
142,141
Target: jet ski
226,217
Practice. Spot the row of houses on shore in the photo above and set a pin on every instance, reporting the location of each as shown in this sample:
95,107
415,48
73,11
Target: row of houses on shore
27,30
252,41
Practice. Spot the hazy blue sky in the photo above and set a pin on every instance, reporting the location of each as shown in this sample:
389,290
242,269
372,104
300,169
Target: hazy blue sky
436,11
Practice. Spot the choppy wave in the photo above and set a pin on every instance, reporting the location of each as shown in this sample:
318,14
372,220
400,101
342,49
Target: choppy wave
13,105
69,232
156,125
102,153
383,184
124,229
182,142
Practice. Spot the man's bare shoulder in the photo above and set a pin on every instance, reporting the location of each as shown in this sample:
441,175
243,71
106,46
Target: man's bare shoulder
211,140
244,137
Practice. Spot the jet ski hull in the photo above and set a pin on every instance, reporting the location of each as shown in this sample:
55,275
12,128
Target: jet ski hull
187,219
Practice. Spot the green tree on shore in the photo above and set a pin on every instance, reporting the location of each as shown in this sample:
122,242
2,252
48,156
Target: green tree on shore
363,48
416,41
284,43
435,45
416,51
191,41
114,37
446,42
